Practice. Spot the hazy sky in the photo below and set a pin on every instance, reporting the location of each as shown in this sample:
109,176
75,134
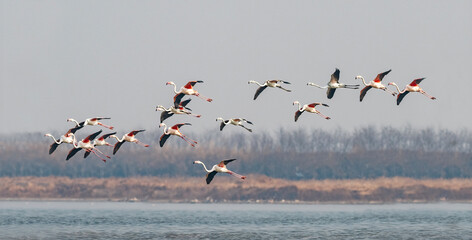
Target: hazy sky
81,59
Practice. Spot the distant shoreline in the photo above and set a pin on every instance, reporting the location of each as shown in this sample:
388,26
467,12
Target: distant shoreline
256,189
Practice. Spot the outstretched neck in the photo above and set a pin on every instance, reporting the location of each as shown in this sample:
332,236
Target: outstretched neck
117,139
316,85
175,88
252,81
203,164
299,106
73,120
53,138
363,81
394,84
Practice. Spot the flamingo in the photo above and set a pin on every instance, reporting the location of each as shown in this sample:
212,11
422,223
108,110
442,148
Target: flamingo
187,90
87,145
412,87
176,109
376,83
91,122
234,121
269,83
129,137
68,137
309,108
333,84
174,130
100,142
221,167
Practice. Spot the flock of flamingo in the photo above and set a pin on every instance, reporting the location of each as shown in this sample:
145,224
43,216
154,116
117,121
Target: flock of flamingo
90,144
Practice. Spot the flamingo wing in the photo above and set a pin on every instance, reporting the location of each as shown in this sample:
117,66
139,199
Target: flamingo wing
192,83
178,125
117,146
381,76
74,129
165,115
248,121
259,90
93,135
105,136
222,125
285,82
401,96
87,153
364,91
184,103
297,114
72,152
417,81
178,98
163,139
53,147
136,132
210,176
335,76
225,162
330,92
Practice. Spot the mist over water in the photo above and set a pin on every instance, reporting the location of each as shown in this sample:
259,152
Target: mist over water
125,220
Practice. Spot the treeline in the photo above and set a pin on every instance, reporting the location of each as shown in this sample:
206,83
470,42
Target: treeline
368,152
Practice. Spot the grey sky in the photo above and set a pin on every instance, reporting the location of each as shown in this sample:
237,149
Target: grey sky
81,59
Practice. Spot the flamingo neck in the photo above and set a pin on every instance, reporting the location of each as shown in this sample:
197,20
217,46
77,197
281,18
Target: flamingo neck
398,89
117,139
300,108
53,138
363,81
252,81
211,170
175,88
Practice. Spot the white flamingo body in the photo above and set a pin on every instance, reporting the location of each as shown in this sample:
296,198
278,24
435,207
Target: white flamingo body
179,109
174,130
234,121
269,83
129,137
101,141
333,84
68,137
187,89
309,108
87,145
219,168
412,87
376,83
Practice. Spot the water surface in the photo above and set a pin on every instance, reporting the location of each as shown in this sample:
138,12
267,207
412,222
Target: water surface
125,220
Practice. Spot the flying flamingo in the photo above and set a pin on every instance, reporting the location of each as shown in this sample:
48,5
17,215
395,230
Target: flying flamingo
269,83
234,121
176,109
91,122
129,137
187,90
412,87
376,83
68,137
87,145
333,84
221,167
309,108
100,142
174,130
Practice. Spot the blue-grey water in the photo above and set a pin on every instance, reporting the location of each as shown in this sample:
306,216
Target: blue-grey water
126,220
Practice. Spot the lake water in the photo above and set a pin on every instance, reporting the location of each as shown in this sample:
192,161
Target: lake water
127,220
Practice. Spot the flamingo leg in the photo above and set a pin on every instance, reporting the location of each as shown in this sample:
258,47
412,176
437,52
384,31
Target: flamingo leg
203,97
193,145
98,150
91,150
236,175
250,130
103,125
138,142
185,136
326,117
427,95
287,90
391,92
